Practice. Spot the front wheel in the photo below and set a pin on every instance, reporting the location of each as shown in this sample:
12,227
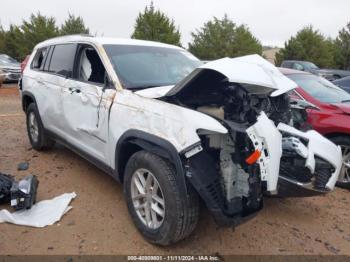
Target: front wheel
160,213
344,176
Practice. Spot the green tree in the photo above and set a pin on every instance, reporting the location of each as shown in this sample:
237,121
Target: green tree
223,38
20,40
13,42
36,30
342,48
2,39
74,25
309,45
154,25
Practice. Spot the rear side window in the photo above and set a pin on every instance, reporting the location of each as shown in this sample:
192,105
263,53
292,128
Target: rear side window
38,61
62,59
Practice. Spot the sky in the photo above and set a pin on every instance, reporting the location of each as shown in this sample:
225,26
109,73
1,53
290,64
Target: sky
271,21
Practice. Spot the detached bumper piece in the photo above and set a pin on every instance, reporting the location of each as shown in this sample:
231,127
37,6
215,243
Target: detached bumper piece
21,194
310,164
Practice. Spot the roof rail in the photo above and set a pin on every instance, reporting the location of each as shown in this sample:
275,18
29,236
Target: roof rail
64,36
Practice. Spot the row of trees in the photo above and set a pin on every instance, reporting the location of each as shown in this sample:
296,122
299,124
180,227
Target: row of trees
19,40
215,39
222,37
310,45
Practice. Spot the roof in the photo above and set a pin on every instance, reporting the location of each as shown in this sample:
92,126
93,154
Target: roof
288,71
102,41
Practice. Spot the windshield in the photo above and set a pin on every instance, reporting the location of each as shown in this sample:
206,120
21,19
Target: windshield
141,67
310,65
320,88
7,60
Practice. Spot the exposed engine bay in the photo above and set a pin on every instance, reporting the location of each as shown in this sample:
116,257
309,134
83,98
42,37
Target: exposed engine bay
232,101
241,158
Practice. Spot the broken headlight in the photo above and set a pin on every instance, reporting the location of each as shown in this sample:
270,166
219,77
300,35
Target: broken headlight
23,192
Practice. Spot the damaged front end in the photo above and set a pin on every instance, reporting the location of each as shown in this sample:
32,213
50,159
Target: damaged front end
260,153
310,163
233,170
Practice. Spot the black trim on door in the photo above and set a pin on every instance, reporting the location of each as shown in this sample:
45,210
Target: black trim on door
93,160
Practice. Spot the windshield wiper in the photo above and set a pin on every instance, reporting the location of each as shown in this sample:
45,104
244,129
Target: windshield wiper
141,87
345,101
147,86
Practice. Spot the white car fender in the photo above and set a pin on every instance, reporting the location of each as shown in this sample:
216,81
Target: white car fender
175,124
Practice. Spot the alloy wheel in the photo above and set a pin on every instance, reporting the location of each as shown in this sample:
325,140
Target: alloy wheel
33,127
344,176
147,198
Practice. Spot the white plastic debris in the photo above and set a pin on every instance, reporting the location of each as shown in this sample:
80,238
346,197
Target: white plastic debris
43,213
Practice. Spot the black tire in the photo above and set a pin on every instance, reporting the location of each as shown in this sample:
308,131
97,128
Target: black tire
342,141
181,212
42,142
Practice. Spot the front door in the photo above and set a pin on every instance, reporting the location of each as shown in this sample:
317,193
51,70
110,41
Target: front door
86,102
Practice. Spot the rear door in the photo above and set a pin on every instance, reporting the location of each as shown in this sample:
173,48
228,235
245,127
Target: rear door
58,69
34,79
45,86
86,99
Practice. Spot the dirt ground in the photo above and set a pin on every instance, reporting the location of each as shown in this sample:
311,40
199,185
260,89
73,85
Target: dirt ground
99,222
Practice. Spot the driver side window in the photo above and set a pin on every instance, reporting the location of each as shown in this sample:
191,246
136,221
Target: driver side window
89,66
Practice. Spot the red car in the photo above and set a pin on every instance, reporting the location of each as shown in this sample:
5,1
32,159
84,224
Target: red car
331,115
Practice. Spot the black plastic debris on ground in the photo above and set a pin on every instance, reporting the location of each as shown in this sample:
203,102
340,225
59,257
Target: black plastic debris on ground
5,187
20,194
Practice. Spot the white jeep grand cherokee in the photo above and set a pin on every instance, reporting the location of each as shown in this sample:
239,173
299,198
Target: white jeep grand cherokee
173,130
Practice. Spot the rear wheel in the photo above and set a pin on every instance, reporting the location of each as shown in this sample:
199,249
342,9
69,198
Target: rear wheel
36,132
160,213
344,176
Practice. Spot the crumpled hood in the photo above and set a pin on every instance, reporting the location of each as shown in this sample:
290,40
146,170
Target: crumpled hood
251,70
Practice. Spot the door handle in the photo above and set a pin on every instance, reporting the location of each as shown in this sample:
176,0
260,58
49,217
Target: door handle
40,81
74,90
